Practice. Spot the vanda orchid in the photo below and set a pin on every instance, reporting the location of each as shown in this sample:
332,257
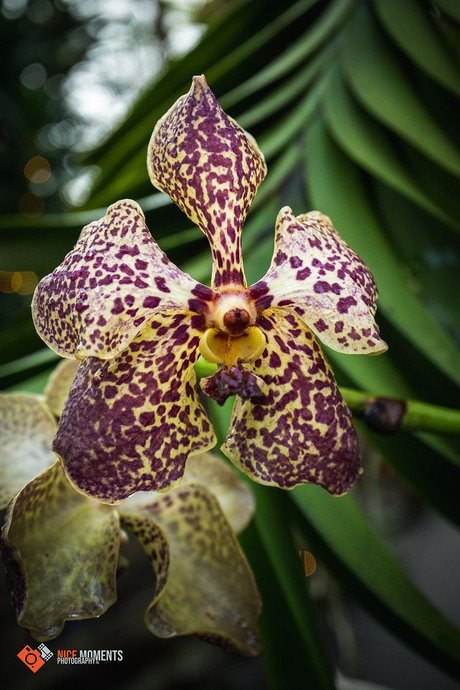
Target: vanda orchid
139,324
61,549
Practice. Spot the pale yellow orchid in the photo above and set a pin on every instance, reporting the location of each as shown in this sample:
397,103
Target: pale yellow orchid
61,549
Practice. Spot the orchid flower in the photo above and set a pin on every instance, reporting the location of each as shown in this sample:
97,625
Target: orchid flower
139,324
61,549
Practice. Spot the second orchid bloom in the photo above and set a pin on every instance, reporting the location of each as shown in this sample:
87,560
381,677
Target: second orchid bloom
139,324
62,551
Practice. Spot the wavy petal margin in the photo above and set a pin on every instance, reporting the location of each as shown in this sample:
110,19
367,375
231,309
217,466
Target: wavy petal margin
315,272
235,496
131,422
209,590
211,168
60,553
109,285
27,430
303,431
59,384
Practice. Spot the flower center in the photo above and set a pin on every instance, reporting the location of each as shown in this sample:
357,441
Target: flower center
231,337
232,313
219,348
236,320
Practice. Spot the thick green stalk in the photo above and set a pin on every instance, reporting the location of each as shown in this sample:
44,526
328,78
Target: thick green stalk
418,416
415,415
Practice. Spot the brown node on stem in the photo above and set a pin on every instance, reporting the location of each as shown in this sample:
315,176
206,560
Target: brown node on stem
384,415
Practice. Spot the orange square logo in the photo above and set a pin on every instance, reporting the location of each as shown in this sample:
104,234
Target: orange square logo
35,658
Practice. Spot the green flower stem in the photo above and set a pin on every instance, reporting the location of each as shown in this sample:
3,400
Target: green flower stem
204,368
419,416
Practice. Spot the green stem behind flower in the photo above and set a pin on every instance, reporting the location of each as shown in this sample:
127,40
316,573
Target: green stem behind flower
418,416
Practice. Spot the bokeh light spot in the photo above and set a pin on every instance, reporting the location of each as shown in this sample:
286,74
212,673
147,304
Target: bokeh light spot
308,562
33,76
31,205
37,169
21,282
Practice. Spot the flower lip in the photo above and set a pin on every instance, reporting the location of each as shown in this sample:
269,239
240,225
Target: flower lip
223,349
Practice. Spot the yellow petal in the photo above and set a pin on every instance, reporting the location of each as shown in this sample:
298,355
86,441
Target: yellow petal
61,554
27,430
58,386
108,287
318,276
302,430
219,348
234,495
209,590
131,422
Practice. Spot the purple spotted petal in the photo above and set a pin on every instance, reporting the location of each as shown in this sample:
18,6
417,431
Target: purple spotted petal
314,272
109,285
303,431
211,168
131,422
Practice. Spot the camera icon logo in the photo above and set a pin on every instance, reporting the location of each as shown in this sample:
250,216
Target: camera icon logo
35,658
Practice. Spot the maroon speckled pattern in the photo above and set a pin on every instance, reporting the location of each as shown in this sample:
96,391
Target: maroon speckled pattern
109,285
62,554
315,273
60,549
211,168
130,422
303,431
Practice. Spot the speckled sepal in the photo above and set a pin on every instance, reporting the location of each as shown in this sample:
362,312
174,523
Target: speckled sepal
234,495
27,430
131,422
58,386
204,587
109,285
60,552
315,272
303,432
211,168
